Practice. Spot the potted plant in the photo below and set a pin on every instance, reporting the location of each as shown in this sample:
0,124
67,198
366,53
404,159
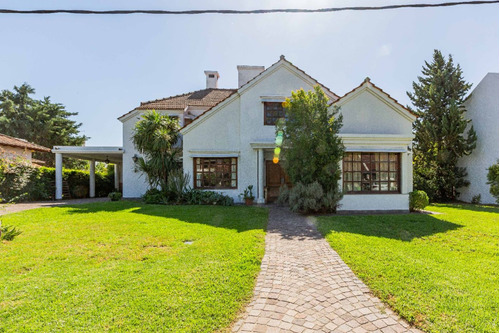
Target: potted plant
247,194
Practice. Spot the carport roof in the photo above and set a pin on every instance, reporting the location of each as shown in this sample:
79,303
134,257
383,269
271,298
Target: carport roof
101,154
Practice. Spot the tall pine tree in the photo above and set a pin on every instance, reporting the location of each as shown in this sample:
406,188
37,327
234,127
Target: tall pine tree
39,121
440,129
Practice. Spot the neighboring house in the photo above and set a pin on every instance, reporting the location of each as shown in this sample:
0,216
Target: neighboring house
482,109
15,148
229,135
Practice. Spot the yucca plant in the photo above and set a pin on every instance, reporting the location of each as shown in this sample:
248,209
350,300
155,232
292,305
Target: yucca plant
8,232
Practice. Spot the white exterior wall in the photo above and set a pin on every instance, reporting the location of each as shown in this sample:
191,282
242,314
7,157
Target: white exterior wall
216,135
372,123
134,182
366,112
482,109
230,131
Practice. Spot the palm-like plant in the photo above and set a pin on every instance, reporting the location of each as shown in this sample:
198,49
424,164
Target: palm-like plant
155,136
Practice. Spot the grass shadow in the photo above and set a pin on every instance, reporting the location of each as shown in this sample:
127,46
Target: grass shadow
239,218
466,206
405,227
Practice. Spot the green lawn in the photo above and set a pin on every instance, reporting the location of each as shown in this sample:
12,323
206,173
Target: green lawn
126,266
440,272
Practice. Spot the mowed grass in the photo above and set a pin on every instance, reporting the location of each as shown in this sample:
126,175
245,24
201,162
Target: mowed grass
440,272
129,267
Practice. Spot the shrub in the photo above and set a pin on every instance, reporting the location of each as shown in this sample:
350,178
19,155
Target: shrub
312,199
8,232
476,200
15,179
493,180
154,196
418,200
21,181
199,197
284,196
115,196
177,185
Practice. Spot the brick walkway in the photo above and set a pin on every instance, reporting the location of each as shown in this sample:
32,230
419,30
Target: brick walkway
304,286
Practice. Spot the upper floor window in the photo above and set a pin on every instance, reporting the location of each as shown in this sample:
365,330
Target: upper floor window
272,112
371,172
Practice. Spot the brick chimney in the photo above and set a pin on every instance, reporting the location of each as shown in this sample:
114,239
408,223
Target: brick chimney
212,78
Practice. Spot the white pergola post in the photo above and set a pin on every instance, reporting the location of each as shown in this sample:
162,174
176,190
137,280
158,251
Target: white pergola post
117,178
260,168
92,179
59,175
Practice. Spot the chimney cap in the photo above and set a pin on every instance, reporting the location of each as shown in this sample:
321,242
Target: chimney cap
212,73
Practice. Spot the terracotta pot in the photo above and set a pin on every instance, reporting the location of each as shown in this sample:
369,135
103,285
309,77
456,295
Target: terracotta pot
249,201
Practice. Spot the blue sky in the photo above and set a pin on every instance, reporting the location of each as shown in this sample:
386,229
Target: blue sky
104,66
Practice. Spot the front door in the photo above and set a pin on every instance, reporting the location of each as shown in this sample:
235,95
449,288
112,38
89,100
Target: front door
275,177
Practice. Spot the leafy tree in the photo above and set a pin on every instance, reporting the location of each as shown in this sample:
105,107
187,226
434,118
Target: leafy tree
39,121
493,180
440,138
312,149
155,136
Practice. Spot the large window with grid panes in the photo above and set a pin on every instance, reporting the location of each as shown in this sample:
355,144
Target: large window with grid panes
215,172
371,172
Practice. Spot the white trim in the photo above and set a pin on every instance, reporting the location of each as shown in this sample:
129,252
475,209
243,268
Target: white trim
214,153
262,145
272,98
376,149
135,112
88,149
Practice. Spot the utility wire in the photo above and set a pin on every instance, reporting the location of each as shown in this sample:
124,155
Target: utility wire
231,11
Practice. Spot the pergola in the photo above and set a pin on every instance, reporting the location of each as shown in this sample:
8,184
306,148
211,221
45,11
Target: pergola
100,154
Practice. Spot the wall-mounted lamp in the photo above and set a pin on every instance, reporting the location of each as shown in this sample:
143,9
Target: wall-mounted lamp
409,149
135,158
106,160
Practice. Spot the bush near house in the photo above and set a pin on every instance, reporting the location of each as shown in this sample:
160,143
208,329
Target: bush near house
20,181
493,180
418,200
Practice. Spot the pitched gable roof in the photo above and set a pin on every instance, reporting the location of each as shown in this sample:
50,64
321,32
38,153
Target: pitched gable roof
204,98
6,140
261,75
285,61
367,83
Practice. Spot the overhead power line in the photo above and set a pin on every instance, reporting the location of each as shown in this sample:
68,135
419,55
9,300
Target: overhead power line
232,11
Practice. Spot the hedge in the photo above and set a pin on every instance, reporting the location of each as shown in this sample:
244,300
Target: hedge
20,181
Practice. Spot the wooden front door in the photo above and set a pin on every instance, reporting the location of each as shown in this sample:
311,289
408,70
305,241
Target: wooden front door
275,177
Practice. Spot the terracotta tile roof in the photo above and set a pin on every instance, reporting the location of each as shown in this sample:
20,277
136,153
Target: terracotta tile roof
367,80
205,97
6,140
209,109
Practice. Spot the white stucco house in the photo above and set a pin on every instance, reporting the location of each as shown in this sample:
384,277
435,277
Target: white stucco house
482,109
228,138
